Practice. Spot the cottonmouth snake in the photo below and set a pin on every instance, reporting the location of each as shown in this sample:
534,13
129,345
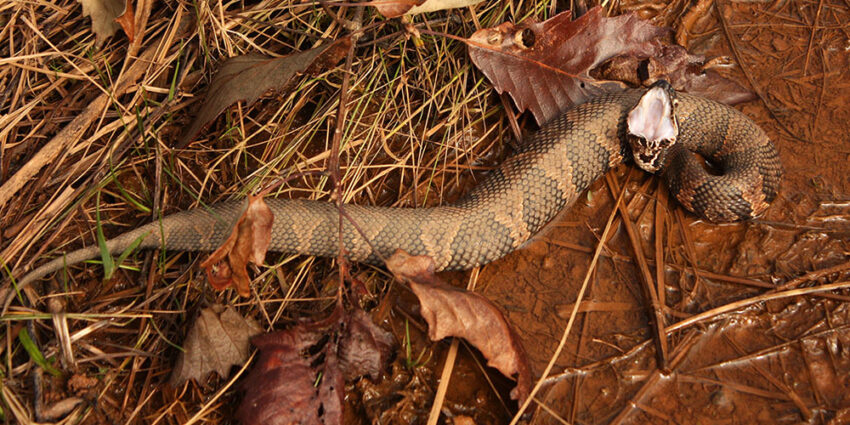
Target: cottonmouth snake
549,171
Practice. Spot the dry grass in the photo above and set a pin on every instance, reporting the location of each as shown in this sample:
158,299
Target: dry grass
420,121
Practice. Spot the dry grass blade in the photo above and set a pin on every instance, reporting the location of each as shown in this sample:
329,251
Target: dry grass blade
728,308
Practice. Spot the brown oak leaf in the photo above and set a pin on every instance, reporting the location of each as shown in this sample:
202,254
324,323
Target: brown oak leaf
300,374
450,311
247,77
218,340
545,66
248,242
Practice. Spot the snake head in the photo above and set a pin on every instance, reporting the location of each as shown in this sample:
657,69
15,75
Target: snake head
653,126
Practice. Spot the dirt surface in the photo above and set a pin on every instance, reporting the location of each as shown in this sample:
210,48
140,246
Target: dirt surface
784,361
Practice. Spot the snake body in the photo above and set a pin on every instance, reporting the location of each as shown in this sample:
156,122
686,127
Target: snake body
549,171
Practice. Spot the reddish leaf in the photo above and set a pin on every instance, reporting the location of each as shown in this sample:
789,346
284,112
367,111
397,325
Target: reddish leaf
218,340
248,242
366,349
453,312
684,71
248,76
127,20
281,388
545,66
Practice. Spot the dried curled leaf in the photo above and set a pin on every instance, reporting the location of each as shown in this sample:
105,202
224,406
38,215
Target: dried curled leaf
453,312
396,8
127,20
685,72
545,66
105,16
247,77
218,340
300,374
248,242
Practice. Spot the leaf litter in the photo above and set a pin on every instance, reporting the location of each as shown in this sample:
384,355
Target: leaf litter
547,67
218,339
246,77
248,243
107,16
301,372
450,311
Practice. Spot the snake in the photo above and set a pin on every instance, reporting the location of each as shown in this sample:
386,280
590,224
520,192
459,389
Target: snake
671,134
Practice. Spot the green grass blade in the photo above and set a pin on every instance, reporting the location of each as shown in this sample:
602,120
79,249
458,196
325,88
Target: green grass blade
35,354
131,248
106,256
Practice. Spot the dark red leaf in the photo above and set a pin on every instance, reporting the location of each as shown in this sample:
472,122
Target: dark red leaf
281,387
248,76
545,66
453,312
366,349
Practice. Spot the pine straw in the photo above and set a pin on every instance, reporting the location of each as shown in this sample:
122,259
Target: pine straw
421,122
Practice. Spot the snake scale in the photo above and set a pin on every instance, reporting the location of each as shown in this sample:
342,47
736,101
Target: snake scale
547,173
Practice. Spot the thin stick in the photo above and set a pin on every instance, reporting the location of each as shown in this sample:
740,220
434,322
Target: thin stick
333,166
754,300
646,274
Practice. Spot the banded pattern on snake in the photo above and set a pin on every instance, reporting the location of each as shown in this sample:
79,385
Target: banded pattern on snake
550,170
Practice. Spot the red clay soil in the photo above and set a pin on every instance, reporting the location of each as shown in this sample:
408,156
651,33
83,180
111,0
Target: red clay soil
782,361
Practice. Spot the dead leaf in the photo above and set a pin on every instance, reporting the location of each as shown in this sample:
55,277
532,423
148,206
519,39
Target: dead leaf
282,387
248,242
394,9
450,311
685,72
691,74
366,349
545,66
103,15
248,76
127,20
218,340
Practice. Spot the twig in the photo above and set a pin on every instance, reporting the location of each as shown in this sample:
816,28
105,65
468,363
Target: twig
654,379
333,165
754,300
646,274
